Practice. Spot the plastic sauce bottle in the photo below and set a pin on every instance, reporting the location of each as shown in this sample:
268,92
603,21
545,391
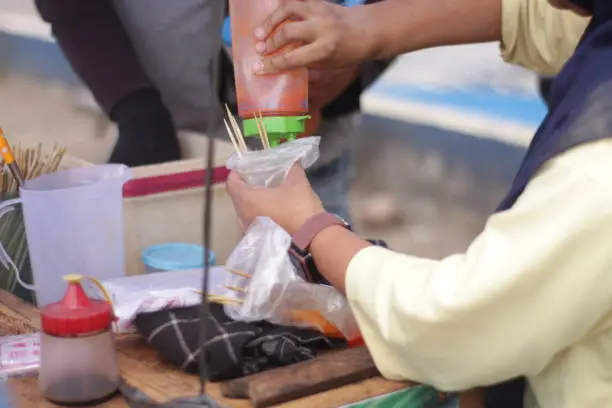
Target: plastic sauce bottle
282,99
78,364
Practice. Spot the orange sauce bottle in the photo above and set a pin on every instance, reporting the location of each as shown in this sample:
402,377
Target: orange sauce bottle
282,99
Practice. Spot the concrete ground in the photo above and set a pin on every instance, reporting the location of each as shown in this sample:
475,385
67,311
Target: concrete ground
442,184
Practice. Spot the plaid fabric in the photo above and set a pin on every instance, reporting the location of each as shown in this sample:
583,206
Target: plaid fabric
234,349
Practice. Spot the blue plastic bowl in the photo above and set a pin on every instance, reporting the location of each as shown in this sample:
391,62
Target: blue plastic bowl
175,257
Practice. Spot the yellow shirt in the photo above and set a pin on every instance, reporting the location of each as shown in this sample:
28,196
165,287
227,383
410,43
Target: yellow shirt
531,296
539,37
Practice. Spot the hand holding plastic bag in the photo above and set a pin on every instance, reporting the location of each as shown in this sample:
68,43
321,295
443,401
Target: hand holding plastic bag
275,292
269,167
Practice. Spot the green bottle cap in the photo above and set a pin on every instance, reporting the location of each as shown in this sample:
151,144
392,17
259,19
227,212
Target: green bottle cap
279,128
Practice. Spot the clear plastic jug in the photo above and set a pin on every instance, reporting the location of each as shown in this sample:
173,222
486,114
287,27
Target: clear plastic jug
74,224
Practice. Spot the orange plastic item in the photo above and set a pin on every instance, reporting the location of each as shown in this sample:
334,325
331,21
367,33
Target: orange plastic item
284,94
357,342
314,319
5,149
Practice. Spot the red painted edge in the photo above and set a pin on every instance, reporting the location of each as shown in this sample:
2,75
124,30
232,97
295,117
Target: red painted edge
172,182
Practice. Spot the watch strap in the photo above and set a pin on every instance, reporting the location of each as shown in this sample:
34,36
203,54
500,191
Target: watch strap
304,236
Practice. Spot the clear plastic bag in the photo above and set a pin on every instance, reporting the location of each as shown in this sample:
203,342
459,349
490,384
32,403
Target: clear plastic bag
269,167
275,292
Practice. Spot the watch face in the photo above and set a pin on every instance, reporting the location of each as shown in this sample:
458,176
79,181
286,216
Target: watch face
305,266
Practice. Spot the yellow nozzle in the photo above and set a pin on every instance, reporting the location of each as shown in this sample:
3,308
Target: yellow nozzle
73,278
76,278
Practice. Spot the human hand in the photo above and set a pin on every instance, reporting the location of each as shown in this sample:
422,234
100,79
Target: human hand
289,205
332,36
326,84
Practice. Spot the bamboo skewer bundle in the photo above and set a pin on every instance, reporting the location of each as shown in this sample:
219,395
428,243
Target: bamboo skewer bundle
236,136
33,162
237,139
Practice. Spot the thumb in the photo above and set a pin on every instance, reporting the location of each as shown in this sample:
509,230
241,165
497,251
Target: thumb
234,183
297,174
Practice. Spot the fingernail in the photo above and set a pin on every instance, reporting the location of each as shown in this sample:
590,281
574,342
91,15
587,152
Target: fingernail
258,67
259,33
260,47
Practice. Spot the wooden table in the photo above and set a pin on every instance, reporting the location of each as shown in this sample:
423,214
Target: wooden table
141,368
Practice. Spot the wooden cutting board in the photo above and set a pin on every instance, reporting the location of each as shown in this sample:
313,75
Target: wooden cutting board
331,370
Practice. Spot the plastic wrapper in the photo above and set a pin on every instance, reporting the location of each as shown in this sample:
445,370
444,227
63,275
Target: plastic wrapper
269,167
19,355
276,292
149,293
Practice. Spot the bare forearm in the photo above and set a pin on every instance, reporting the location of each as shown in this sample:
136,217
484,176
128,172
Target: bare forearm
399,26
332,250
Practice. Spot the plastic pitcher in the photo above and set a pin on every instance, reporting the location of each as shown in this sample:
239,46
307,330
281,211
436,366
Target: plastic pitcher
74,225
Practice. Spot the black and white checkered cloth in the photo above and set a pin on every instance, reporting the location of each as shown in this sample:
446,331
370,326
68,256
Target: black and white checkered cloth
235,349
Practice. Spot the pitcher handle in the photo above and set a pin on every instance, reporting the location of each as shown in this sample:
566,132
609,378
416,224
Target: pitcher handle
6,261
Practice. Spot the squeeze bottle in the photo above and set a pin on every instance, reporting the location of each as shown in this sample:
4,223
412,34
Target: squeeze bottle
78,365
281,99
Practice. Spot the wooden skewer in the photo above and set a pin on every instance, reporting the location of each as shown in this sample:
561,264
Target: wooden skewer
38,169
240,273
232,121
28,163
263,142
220,299
38,153
235,122
237,130
228,302
260,130
241,140
232,138
236,289
222,302
58,159
264,131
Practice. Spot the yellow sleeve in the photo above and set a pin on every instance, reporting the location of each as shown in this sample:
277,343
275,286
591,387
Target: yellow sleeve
508,305
539,37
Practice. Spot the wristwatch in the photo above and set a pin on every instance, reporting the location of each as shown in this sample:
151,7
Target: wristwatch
300,246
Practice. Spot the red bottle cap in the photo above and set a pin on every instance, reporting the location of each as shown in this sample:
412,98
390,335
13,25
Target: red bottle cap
76,314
